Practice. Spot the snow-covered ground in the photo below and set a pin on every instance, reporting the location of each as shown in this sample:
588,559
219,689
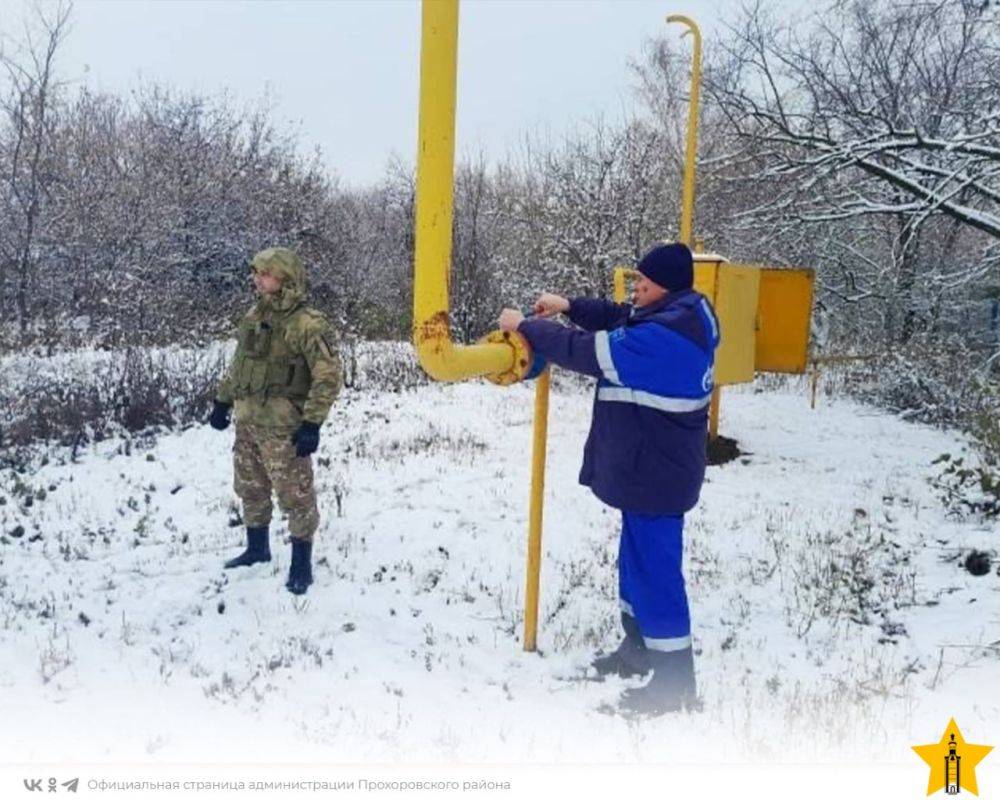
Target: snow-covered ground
833,619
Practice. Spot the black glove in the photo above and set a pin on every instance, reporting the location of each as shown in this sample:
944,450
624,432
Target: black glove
219,418
306,439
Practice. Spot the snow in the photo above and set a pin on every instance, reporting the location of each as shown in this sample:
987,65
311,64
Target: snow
832,618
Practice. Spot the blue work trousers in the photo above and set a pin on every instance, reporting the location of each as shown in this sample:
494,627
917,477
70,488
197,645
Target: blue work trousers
651,579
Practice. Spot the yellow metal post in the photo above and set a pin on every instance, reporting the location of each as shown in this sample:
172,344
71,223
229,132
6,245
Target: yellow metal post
687,195
713,413
535,511
816,362
690,157
622,274
438,355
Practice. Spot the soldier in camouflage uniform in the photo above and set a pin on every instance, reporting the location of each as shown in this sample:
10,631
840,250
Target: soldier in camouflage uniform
284,377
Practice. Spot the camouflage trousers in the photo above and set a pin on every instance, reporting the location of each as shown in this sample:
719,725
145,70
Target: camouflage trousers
264,461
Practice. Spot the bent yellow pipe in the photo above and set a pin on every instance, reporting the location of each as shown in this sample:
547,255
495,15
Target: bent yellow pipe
440,358
687,194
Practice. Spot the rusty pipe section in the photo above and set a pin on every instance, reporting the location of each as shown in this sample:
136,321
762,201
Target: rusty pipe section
441,358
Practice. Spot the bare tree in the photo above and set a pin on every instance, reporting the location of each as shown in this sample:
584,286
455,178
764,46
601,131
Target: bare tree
595,202
27,107
905,93
884,116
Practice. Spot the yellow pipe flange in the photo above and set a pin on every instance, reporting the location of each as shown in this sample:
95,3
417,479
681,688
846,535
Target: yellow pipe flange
522,357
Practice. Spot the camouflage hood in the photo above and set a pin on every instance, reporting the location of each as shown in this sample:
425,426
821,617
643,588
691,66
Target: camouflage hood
285,264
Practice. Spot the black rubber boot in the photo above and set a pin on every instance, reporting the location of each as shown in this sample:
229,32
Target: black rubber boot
672,687
300,574
258,549
630,659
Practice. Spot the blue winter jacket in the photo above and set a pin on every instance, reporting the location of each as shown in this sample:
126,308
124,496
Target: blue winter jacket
646,448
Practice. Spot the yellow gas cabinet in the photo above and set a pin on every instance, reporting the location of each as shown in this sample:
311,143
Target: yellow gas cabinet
733,290
784,310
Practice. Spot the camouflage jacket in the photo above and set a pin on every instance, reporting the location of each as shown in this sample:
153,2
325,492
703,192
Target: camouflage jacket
286,368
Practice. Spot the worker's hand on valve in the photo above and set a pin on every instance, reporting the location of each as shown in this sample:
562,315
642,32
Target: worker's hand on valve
548,305
510,318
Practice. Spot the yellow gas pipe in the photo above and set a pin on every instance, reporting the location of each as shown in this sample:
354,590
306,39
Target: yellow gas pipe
691,151
690,157
621,275
438,355
501,357
535,511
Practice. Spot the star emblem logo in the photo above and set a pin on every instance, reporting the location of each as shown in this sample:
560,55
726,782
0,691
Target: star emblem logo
952,761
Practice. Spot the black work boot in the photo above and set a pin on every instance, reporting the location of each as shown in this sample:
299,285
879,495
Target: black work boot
630,659
258,549
672,687
300,574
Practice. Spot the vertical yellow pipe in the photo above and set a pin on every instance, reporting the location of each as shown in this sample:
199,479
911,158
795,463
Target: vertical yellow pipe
687,195
435,169
713,413
439,357
621,273
535,511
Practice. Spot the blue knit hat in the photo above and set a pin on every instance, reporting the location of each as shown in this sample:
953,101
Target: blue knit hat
669,266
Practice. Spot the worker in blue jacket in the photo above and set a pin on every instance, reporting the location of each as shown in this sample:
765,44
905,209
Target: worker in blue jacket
645,454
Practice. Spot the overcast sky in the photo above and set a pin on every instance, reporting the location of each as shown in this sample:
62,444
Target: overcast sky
346,73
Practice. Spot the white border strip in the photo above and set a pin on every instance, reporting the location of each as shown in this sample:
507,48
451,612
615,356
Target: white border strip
602,349
668,645
621,394
625,607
